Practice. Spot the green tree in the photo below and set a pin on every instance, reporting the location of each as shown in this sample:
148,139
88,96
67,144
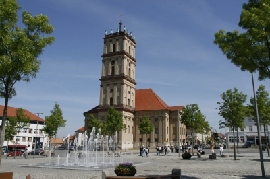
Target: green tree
249,50
203,127
233,110
54,121
19,50
263,103
192,118
50,128
146,126
21,120
10,130
114,122
94,122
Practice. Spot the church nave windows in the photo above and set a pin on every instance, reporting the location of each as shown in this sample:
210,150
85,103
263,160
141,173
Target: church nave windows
111,101
113,47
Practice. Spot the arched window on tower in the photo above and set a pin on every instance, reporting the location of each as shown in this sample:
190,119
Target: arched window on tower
128,102
128,49
111,101
112,67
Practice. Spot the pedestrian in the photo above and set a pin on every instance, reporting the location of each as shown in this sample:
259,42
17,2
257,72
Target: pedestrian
181,148
172,149
146,151
165,149
141,151
157,150
221,149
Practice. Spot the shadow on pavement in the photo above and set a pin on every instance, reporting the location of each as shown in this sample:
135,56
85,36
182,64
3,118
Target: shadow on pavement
259,160
187,177
252,177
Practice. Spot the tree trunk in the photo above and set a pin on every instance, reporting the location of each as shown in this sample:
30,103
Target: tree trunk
237,139
266,142
3,127
7,149
234,151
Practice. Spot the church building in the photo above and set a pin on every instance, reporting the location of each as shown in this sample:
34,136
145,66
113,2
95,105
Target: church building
118,89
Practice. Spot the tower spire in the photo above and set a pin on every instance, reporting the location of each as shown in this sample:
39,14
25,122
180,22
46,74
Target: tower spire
120,23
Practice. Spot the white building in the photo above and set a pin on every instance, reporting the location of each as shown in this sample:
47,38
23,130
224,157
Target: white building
27,136
247,135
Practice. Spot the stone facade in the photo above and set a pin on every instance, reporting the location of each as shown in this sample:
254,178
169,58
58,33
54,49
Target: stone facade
118,89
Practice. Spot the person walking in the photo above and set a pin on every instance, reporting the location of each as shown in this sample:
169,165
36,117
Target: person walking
157,150
143,151
221,149
165,149
141,148
146,151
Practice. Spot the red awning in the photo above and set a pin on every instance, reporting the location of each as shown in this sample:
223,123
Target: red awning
18,146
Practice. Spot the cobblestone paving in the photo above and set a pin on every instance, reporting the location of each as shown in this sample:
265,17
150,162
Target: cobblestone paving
247,166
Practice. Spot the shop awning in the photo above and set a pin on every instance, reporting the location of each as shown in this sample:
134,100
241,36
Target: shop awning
18,146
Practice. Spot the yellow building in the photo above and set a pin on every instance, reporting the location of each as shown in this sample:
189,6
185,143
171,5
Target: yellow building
118,89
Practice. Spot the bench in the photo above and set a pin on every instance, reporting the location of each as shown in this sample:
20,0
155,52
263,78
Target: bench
6,175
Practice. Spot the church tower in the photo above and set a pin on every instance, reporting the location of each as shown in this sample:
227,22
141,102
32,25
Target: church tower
118,84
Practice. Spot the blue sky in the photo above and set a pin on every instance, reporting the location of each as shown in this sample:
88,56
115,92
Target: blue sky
175,54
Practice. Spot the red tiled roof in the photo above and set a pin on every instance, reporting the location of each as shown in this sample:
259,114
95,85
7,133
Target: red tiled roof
93,110
81,129
175,108
57,141
147,99
11,111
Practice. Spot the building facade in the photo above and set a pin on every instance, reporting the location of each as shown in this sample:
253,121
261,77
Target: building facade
118,89
29,135
248,135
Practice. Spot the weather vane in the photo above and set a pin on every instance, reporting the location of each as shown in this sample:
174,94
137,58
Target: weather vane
120,18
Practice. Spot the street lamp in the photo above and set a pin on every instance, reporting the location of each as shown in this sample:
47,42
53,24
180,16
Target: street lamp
36,134
18,130
178,115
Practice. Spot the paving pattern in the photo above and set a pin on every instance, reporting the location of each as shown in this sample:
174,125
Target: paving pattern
247,166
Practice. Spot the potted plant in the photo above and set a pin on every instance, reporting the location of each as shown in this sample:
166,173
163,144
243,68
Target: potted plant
186,155
125,169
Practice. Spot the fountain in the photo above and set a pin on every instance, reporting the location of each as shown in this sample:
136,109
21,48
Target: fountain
95,152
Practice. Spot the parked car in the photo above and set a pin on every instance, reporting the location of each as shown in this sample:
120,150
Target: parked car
36,152
18,153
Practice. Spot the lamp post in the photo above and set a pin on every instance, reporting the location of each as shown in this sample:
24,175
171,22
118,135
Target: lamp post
18,130
258,129
178,115
36,134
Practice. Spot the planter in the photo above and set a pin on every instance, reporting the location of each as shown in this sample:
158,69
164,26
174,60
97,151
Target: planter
122,174
186,156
